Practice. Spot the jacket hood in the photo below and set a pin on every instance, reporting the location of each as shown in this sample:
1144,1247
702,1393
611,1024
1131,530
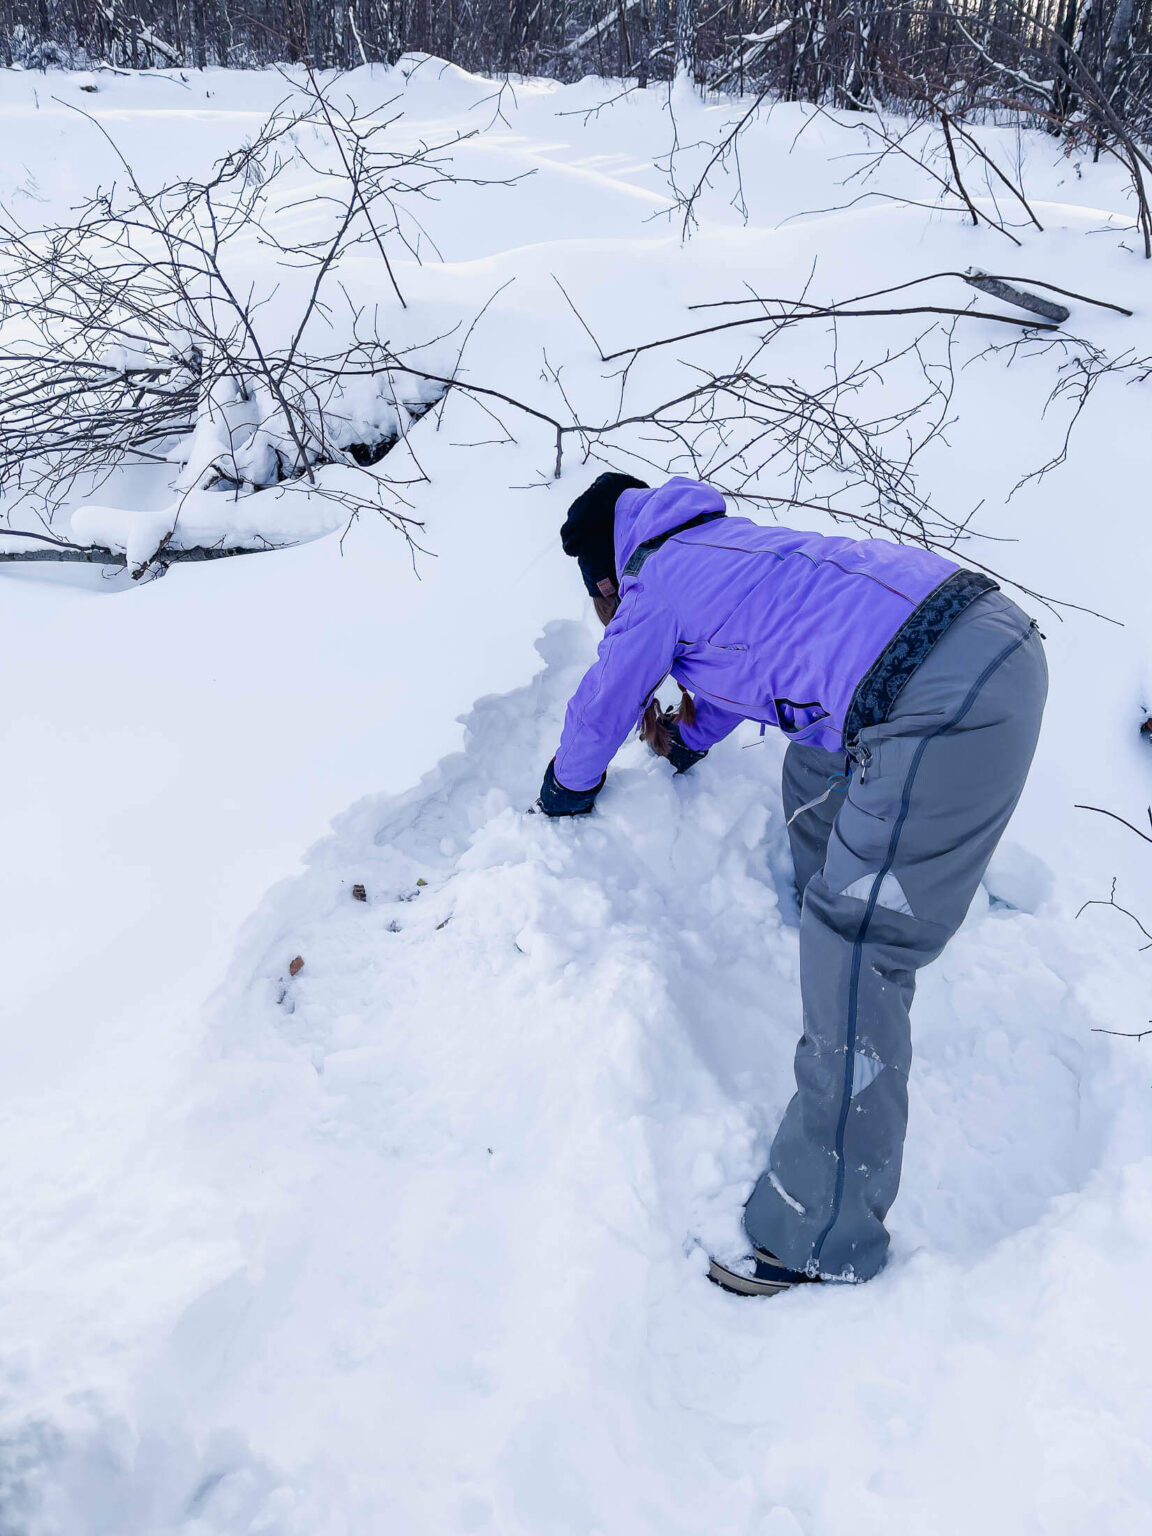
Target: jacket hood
644,515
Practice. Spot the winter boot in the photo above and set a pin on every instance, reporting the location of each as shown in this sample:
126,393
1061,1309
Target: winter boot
760,1274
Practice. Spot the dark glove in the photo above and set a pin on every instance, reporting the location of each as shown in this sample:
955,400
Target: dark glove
681,757
660,728
556,800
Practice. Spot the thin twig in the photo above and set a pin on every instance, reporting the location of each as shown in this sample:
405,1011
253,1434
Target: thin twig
1112,902
1101,812
831,314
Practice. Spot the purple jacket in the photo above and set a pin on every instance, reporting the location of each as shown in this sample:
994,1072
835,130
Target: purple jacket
758,623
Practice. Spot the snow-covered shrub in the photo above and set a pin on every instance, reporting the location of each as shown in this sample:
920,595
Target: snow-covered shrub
217,326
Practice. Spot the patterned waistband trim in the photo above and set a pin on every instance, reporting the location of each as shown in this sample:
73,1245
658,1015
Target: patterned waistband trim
884,680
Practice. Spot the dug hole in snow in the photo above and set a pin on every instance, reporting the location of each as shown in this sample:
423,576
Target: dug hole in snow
413,1239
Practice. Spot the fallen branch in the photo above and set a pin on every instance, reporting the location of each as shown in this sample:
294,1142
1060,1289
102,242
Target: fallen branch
1101,812
828,314
879,293
999,289
98,554
1112,902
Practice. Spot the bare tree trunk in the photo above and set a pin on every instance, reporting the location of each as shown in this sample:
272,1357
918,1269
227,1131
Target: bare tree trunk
1119,51
1063,96
625,45
686,14
661,29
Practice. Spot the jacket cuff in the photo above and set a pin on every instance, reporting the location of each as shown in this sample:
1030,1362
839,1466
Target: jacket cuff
557,800
711,725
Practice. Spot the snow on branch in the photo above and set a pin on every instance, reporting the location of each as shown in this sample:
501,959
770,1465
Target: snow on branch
143,35
599,28
145,332
752,46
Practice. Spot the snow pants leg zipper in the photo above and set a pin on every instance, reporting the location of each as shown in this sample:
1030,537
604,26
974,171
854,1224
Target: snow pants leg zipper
904,856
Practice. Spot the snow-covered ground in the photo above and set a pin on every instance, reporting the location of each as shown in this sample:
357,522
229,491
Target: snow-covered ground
413,1241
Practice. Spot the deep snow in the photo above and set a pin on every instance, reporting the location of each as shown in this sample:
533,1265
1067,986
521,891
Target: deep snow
414,1241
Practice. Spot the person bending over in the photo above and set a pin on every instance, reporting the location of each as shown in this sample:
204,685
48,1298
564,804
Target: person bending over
913,686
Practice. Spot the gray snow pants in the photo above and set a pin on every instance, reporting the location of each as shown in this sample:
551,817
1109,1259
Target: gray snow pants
887,872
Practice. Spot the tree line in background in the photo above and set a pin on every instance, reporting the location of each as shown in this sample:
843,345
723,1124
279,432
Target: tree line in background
1073,64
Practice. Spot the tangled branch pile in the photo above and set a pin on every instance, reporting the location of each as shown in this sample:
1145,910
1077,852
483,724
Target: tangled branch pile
220,335
186,326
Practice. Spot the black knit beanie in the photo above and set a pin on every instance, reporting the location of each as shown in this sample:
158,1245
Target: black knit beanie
589,530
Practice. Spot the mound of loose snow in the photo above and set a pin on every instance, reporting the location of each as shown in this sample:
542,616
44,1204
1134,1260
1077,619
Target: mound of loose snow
474,1151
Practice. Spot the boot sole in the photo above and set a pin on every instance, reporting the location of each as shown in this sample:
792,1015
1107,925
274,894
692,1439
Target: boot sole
744,1285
